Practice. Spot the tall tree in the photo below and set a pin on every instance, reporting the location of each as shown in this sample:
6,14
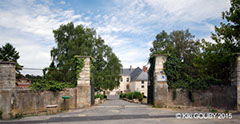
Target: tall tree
218,59
181,44
82,41
9,53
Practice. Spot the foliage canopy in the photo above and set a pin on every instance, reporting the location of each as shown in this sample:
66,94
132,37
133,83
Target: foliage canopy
193,64
77,40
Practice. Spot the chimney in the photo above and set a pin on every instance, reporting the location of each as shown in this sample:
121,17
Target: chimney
130,67
145,69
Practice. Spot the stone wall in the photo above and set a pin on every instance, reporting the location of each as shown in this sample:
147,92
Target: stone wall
14,100
224,97
237,81
83,85
7,75
26,101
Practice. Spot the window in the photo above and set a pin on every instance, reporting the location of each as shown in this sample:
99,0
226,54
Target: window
142,82
127,86
127,79
142,86
121,79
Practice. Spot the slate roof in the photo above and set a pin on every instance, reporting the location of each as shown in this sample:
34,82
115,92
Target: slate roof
142,77
136,74
126,71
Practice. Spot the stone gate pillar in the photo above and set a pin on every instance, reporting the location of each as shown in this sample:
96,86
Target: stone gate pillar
7,75
238,81
83,85
160,81
7,83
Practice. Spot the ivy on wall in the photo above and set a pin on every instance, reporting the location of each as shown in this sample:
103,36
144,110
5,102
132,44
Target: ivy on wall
50,85
78,65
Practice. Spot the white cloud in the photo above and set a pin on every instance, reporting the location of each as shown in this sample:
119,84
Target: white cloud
28,26
128,27
143,19
62,2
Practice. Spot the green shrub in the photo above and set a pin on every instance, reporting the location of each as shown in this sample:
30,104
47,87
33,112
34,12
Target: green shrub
101,96
18,116
105,96
132,95
50,85
212,109
121,95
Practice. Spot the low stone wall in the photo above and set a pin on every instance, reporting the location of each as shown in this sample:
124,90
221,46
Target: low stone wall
26,101
224,97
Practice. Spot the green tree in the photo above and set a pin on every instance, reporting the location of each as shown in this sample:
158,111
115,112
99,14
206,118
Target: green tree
229,31
82,41
180,44
9,53
218,59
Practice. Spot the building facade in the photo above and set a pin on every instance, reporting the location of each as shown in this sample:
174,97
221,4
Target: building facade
133,79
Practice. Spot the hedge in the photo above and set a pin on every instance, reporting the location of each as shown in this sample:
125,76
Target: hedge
132,95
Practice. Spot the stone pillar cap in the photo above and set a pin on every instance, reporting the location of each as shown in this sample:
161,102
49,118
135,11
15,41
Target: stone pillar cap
7,62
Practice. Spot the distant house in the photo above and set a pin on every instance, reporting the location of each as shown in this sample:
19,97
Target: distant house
133,79
23,82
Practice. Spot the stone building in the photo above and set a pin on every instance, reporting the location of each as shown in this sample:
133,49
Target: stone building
133,79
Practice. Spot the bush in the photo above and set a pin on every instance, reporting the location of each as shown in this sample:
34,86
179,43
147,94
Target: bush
18,116
101,96
105,96
50,85
212,109
132,95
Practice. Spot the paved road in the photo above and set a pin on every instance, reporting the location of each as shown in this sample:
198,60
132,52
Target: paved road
115,111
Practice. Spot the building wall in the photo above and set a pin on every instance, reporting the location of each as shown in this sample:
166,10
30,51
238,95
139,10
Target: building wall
137,86
124,83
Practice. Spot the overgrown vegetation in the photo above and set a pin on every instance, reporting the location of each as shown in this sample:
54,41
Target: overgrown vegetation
78,65
132,95
18,116
193,64
77,40
47,82
212,109
101,96
51,85
9,53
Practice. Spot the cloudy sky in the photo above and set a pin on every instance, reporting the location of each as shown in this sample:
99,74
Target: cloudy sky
128,26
